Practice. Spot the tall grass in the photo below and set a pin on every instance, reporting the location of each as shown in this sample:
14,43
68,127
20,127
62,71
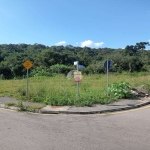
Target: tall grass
58,90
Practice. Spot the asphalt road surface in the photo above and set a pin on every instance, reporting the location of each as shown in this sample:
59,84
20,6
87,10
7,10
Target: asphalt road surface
121,131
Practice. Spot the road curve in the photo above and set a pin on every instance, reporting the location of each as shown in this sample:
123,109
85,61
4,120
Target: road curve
22,131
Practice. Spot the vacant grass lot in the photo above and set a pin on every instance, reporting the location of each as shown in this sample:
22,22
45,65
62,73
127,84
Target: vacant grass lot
58,90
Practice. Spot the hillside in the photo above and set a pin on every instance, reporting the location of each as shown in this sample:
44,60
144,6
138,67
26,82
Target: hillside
59,59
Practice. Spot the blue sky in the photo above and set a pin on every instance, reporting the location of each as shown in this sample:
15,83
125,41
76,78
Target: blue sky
92,23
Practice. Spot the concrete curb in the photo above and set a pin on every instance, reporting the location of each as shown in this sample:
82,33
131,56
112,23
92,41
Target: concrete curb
8,107
94,112
42,111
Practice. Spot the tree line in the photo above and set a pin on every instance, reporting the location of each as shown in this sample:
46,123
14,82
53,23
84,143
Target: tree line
59,59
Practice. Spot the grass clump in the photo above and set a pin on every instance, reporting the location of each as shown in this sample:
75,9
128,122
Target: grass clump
11,104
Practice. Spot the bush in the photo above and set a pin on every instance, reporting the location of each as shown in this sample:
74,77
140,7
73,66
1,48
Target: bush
60,68
41,71
120,90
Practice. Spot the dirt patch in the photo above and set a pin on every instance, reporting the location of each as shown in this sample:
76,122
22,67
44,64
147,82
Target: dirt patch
56,106
140,91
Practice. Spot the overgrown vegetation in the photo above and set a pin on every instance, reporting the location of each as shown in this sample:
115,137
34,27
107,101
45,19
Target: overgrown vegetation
21,107
49,85
59,90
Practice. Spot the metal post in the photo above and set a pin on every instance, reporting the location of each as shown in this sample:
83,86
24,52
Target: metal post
77,92
27,85
107,79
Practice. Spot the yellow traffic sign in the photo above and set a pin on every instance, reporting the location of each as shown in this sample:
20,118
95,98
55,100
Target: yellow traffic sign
27,64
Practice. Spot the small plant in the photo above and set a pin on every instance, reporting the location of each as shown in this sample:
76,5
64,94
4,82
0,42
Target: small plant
22,91
21,106
120,90
11,104
32,108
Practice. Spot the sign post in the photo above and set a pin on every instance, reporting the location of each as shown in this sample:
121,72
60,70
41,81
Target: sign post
77,78
27,64
77,83
108,65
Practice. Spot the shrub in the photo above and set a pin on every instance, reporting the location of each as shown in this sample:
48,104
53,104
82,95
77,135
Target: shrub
60,68
120,90
41,71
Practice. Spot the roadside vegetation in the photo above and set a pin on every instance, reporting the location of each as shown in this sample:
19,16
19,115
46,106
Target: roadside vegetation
59,90
48,82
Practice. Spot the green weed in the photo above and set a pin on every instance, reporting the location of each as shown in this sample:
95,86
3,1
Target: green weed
120,90
11,104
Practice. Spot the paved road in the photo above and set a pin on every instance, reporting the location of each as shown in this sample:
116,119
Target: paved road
123,131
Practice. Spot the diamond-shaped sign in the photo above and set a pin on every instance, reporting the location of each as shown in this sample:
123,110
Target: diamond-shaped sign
27,64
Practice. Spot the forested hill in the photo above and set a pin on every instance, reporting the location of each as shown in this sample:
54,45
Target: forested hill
60,59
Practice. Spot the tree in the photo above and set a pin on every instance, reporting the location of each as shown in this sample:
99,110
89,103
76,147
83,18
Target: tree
133,49
141,45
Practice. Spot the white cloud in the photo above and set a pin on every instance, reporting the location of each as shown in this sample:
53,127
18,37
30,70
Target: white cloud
87,43
99,44
90,43
149,40
61,43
